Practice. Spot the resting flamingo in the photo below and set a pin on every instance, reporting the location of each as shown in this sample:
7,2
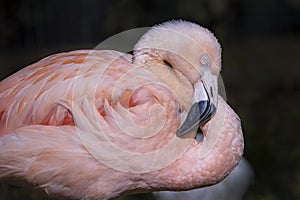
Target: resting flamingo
96,124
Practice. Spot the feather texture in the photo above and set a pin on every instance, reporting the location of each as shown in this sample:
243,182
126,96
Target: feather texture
92,124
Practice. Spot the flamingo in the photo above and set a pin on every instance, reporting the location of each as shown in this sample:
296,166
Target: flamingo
97,124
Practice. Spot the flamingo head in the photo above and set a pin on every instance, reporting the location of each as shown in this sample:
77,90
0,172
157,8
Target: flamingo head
194,55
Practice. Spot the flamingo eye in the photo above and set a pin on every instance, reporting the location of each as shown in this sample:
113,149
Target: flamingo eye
204,60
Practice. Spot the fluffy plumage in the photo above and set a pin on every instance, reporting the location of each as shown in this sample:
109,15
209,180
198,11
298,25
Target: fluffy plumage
59,116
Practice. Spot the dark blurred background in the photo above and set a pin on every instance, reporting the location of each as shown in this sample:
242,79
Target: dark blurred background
261,71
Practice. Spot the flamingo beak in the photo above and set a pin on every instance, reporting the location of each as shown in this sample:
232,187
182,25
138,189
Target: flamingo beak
201,111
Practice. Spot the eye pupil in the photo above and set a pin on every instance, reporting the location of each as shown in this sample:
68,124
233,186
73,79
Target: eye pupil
204,60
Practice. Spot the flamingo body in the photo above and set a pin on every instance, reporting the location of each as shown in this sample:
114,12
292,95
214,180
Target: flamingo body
54,113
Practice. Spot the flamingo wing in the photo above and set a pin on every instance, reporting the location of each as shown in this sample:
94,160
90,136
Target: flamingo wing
30,96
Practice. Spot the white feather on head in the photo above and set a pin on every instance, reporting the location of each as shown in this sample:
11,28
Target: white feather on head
179,37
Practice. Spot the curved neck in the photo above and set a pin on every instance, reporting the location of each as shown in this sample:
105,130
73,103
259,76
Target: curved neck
208,168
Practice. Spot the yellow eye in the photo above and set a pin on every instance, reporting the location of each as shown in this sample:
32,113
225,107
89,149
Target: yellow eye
204,60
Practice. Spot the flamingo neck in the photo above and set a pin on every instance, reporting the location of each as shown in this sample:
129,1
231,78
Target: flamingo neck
217,155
